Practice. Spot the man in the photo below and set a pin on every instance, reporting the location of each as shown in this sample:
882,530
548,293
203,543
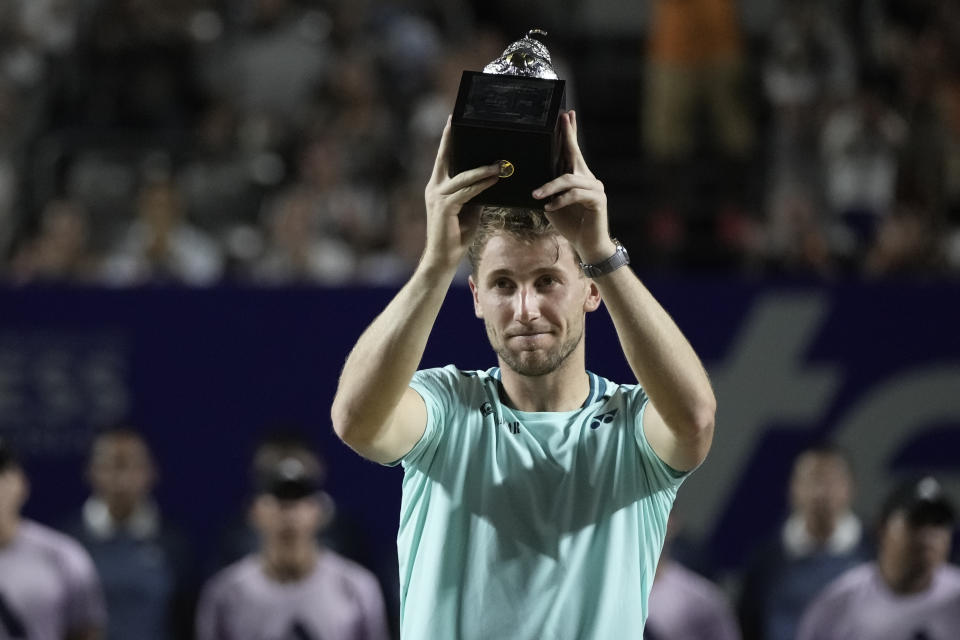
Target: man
340,532
536,493
48,585
910,592
141,559
292,589
821,539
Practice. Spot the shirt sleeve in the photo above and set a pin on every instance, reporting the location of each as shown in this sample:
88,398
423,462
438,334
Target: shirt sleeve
659,473
437,387
84,606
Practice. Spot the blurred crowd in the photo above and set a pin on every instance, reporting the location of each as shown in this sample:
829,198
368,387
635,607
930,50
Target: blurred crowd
288,141
293,565
826,144
288,566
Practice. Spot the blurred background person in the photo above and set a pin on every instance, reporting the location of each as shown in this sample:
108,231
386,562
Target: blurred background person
347,207
341,531
297,250
909,592
292,586
820,539
142,559
695,58
48,585
694,70
61,250
338,532
685,605
859,148
271,60
808,67
159,244
393,264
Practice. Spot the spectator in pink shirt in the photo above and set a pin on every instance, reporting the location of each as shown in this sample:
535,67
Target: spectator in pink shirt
910,592
685,605
49,588
292,587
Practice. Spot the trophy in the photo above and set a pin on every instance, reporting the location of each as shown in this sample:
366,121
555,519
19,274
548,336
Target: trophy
510,114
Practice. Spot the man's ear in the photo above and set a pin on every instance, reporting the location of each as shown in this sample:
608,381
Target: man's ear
476,297
593,300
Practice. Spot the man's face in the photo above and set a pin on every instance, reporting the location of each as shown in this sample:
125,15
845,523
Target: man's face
287,521
13,493
821,488
914,549
121,471
532,300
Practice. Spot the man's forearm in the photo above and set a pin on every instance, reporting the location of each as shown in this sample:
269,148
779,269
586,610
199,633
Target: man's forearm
379,368
658,353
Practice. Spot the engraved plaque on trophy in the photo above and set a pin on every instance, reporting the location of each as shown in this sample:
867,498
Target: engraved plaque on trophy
511,113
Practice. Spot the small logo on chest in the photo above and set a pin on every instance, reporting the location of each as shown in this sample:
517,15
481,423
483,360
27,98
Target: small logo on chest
603,418
512,426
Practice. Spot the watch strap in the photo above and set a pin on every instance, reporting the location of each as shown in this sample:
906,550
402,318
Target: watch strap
619,258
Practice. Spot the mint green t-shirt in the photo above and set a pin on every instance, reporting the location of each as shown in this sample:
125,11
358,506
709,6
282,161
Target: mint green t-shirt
529,526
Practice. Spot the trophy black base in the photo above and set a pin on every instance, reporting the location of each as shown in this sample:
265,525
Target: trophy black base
508,118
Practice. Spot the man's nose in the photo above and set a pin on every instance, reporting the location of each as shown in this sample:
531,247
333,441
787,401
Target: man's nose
528,304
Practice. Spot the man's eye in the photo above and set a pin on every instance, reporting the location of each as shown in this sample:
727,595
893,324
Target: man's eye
502,283
546,281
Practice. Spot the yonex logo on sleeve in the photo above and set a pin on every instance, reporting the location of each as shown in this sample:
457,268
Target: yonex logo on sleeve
603,418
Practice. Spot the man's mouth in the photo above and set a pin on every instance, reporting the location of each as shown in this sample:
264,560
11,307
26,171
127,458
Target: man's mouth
526,334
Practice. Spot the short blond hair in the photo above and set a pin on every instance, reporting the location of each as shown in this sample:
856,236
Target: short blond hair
527,225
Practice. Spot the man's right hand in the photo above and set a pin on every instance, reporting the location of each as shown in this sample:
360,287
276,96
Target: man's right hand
451,223
375,411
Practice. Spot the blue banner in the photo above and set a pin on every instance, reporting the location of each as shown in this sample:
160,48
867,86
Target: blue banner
875,367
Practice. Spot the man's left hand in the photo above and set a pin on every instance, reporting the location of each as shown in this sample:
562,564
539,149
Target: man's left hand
575,203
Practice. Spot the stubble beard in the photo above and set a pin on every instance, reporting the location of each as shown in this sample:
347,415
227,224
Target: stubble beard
534,364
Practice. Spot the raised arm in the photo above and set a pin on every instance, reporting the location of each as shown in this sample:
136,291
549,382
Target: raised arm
375,411
680,425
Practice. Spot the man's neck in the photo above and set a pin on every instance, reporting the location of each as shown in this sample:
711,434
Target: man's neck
8,530
290,563
121,512
819,530
564,389
904,581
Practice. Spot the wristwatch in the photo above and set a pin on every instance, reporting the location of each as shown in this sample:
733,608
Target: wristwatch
619,258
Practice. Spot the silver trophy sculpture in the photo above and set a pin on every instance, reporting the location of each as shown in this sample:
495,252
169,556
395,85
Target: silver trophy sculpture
511,113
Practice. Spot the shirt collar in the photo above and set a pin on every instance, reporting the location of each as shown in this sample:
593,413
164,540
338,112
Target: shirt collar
143,523
845,537
598,388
